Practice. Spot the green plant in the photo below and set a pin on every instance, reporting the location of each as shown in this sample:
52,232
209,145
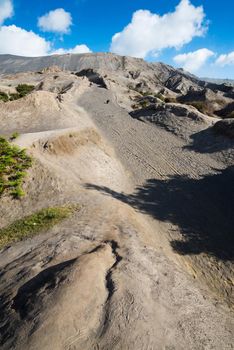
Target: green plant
14,136
160,96
143,104
14,96
3,96
34,224
13,163
146,93
24,89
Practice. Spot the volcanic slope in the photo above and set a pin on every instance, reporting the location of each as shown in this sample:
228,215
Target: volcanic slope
145,259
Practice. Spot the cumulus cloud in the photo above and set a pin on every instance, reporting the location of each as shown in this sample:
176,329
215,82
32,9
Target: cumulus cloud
56,21
77,49
6,10
225,59
18,41
148,33
193,61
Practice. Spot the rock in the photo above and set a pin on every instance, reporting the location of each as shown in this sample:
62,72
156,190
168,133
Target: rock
227,111
225,127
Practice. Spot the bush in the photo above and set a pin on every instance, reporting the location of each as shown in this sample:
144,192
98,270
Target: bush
143,104
3,96
160,96
146,93
24,89
14,136
13,162
14,96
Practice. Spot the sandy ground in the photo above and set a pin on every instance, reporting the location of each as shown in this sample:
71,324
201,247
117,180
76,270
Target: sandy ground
147,261
187,190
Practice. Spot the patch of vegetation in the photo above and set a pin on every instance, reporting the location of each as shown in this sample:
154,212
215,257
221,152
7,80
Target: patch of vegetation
145,93
33,224
143,104
160,96
199,105
170,100
22,90
14,96
3,96
14,136
13,163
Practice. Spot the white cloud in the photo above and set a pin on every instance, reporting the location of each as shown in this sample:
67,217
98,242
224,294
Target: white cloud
77,49
149,33
225,59
57,21
18,41
193,61
6,10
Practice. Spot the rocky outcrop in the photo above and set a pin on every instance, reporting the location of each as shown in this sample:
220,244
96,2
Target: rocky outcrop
225,127
174,117
93,77
227,111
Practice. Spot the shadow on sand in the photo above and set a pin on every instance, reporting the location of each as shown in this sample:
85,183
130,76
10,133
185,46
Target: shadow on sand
203,209
209,141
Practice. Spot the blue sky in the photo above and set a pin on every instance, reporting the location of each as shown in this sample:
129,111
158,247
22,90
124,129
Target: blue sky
177,32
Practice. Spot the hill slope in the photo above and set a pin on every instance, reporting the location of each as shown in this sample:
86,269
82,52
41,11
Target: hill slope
145,257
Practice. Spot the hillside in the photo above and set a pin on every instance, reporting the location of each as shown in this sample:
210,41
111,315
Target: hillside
123,237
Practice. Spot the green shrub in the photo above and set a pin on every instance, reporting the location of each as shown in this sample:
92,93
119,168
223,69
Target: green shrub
160,97
24,89
3,96
143,104
13,163
14,96
34,224
146,93
14,136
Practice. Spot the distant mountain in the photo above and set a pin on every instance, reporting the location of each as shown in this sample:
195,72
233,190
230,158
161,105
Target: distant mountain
135,74
219,81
